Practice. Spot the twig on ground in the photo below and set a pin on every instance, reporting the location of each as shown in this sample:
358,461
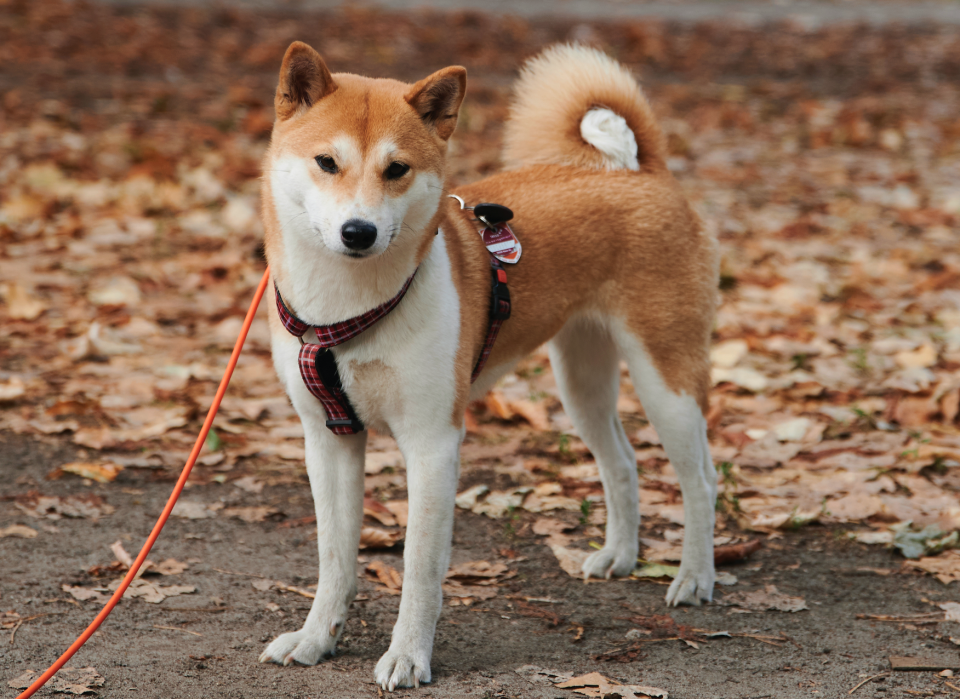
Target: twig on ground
24,620
869,679
174,628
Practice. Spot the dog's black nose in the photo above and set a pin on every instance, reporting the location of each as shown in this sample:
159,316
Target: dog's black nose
357,234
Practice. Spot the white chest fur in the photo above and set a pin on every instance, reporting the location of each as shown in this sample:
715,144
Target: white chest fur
401,369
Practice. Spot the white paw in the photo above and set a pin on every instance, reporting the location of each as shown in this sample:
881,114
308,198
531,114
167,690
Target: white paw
302,647
610,560
691,586
403,668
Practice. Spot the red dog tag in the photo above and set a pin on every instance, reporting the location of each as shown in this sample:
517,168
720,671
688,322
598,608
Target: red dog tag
502,243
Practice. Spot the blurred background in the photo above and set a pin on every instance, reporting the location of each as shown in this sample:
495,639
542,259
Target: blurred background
817,140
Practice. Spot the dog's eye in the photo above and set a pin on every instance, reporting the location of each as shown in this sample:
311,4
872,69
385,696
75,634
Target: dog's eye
396,171
327,164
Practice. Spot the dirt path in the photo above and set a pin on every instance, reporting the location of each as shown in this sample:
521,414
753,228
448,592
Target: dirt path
478,648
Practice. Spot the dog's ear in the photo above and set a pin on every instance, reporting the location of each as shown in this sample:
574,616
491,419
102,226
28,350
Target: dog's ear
304,80
437,99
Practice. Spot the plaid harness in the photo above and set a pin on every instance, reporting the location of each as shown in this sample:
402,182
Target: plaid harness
318,366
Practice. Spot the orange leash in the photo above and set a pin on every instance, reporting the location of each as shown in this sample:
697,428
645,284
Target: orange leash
142,556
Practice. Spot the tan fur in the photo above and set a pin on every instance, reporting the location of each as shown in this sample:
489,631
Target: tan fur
554,92
634,249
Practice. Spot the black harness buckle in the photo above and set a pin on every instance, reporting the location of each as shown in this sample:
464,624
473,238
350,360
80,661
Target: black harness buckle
499,294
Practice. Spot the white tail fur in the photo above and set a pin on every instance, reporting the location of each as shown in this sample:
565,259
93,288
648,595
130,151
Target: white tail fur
574,105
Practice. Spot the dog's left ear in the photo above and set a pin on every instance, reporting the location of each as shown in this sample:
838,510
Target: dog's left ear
437,99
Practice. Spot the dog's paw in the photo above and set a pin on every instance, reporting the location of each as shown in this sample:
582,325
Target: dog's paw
691,586
610,561
403,668
301,647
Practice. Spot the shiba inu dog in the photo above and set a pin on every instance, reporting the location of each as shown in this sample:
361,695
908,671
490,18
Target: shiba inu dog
361,236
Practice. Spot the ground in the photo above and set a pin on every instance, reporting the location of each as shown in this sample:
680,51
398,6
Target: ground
478,647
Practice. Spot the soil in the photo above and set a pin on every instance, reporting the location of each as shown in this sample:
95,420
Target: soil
214,636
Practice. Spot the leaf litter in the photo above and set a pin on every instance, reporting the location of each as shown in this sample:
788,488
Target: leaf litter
836,348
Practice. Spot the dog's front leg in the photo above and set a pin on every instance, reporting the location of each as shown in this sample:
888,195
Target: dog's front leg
433,466
335,468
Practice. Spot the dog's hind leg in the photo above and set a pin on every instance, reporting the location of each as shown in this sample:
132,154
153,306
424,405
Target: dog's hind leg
586,364
678,418
335,469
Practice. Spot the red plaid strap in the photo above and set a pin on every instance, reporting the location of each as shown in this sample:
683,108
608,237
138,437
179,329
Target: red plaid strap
338,333
499,312
318,366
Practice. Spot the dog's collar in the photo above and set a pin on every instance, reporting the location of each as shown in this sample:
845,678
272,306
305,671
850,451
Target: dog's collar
338,333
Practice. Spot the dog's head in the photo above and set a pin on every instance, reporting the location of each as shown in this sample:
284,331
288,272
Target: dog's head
356,165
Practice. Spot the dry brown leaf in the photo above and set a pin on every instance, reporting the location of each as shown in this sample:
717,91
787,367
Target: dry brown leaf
12,389
18,530
251,515
377,510
596,685
68,680
386,575
83,593
87,505
21,304
399,509
374,538
170,566
498,406
152,592
188,509
945,566
768,599
100,472
534,413
570,560
547,526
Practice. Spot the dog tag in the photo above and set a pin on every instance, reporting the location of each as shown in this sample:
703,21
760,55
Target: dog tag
502,243
492,214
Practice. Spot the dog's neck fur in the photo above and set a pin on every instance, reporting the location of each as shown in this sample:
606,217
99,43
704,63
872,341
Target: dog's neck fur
323,287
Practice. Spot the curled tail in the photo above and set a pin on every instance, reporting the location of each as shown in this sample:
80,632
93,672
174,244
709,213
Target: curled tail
573,105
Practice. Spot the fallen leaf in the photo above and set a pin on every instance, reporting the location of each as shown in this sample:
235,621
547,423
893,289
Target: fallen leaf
67,680
498,406
87,505
768,599
655,570
12,389
18,530
83,593
377,510
21,304
386,575
596,685
188,509
399,509
170,566
571,560
374,538
945,567
735,552
152,592
249,484
547,526
100,472
469,497
251,515
952,610
534,413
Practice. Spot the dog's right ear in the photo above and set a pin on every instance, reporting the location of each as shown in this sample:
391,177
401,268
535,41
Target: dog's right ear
304,81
